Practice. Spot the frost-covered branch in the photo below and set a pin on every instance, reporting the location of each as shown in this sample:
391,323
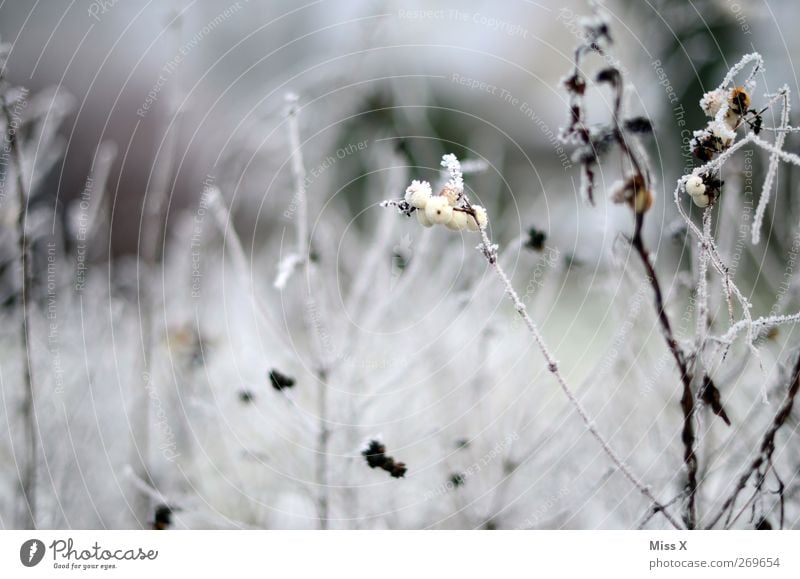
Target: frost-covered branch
293,260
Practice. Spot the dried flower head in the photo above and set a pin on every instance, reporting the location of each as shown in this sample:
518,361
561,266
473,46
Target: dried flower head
739,100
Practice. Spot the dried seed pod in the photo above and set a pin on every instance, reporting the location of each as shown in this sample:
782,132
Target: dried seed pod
635,193
642,200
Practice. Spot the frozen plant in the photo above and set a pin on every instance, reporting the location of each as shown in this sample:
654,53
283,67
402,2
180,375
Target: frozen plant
490,252
730,108
450,207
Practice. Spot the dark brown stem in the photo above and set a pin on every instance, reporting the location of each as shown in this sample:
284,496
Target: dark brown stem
687,397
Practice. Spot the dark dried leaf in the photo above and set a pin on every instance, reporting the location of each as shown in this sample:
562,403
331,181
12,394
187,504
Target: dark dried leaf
610,75
640,125
457,479
280,381
535,239
375,454
711,396
163,518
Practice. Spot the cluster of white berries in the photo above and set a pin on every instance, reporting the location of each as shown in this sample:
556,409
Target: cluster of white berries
696,189
450,207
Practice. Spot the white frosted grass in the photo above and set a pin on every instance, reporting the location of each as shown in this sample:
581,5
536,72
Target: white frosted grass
772,170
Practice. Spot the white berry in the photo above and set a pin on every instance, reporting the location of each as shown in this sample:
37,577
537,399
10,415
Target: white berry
418,194
438,210
695,186
422,217
458,221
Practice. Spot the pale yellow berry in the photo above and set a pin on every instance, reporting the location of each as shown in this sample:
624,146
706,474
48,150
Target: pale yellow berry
422,217
438,210
695,186
458,221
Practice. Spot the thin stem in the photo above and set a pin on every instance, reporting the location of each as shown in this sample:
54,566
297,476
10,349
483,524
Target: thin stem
302,251
153,230
552,366
687,397
323,434
28,409
764,322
